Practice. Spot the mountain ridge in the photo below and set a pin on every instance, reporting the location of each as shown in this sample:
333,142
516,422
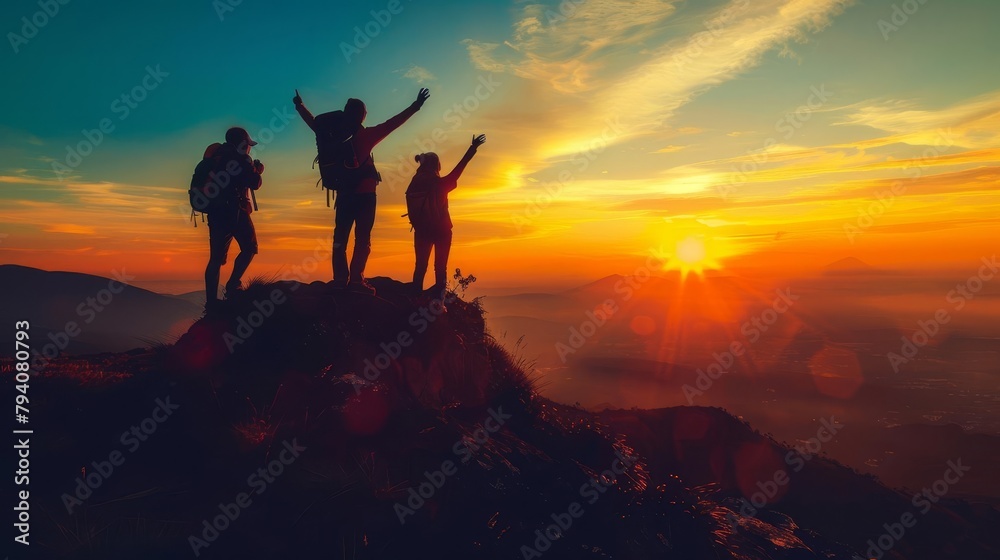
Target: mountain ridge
380,414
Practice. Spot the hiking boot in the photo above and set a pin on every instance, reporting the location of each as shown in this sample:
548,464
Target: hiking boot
338,285
233,290
213,307
362,287
437,292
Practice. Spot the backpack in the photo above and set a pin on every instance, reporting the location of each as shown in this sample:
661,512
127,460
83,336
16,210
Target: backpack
339,167
423,209
204,194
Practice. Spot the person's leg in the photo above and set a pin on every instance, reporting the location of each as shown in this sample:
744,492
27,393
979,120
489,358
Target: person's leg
442,248
422,244
212,272
343,222
220,236
363,236
240,265
246,238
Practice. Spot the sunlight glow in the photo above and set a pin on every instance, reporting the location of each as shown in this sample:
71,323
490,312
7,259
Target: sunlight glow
691,255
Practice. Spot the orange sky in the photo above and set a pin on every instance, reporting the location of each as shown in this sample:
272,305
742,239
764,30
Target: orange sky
769,146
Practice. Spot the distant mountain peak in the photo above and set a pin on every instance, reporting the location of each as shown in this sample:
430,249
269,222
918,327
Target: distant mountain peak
853,264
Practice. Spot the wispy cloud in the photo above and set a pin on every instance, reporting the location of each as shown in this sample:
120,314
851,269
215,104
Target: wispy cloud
566,44
738,36
418,74
972,123
669,149
75,229
645,89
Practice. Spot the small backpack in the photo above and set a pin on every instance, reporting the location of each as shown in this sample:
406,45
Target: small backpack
205,194
423,208
340,170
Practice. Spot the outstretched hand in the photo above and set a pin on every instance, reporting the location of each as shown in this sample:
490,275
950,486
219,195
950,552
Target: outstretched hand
478,140
421,97
297,100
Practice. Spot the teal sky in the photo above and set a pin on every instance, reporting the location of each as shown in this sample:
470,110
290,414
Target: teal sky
684,130
237,69
234,71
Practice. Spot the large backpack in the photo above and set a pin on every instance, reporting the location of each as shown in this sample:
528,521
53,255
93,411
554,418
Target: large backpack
205,194
340,169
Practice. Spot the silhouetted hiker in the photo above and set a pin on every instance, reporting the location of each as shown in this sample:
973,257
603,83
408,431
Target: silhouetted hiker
427,207
235,174
347,166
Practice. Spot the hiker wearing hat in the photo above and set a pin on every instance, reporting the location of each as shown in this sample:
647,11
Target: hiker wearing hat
237,175
347,167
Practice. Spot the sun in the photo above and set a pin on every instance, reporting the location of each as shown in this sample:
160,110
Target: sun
690,246
691,251
691,255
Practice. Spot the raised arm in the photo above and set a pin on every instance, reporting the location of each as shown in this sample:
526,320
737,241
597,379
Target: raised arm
451,180
303,112
379,132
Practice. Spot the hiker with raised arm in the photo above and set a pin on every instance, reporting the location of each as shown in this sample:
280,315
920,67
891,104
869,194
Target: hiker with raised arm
427,208
222,188
347,167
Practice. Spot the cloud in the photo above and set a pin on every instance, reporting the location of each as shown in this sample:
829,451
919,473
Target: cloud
75,229
845,194
919,140
669,149
29,180
736,39
565,44
972,123
620,59
418,74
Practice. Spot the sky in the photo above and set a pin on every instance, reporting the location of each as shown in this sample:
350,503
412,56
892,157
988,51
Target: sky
754,137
